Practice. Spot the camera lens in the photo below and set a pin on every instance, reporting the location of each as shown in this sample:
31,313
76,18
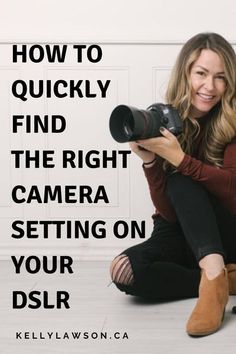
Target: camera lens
128,126
129,123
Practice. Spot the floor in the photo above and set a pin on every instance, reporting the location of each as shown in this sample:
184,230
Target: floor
95,308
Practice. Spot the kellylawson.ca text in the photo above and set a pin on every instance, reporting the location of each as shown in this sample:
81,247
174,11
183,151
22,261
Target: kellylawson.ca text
70,335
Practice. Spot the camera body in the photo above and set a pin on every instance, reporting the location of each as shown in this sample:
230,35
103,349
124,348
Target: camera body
129,123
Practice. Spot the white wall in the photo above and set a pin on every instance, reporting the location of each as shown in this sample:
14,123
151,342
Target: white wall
140,43
111,20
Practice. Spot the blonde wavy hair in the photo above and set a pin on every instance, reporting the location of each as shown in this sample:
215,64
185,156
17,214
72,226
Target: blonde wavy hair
221,125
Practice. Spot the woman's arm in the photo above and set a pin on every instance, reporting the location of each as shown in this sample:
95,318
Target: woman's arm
152,166
219,181
156,179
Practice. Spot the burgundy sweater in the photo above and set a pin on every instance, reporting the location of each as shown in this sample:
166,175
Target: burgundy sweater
220,182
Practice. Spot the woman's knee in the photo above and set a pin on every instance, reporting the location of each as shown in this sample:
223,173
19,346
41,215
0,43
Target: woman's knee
121,270
180,187
176,181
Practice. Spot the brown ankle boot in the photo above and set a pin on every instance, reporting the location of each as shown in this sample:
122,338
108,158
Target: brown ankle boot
231,269
208,313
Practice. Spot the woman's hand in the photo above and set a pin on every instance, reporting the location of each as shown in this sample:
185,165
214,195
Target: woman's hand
166,146
145,155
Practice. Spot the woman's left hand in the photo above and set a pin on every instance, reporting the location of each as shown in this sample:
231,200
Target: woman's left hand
166,146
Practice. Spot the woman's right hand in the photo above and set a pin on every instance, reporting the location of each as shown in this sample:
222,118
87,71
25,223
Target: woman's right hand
145,155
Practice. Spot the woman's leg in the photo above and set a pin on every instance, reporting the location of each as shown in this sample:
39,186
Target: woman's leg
227,226
196,215
198,220
208,226
203,229
163,267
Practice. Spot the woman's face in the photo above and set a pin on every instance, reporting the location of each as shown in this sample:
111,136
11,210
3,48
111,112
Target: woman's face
208,82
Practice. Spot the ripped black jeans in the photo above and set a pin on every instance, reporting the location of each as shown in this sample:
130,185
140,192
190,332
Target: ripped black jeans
166,266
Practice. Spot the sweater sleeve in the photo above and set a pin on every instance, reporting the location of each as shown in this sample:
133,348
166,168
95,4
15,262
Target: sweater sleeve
156,179
221,182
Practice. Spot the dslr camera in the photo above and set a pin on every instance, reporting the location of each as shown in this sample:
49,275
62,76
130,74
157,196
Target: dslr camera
130,124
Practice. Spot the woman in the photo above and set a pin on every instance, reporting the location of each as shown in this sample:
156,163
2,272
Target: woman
192,181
